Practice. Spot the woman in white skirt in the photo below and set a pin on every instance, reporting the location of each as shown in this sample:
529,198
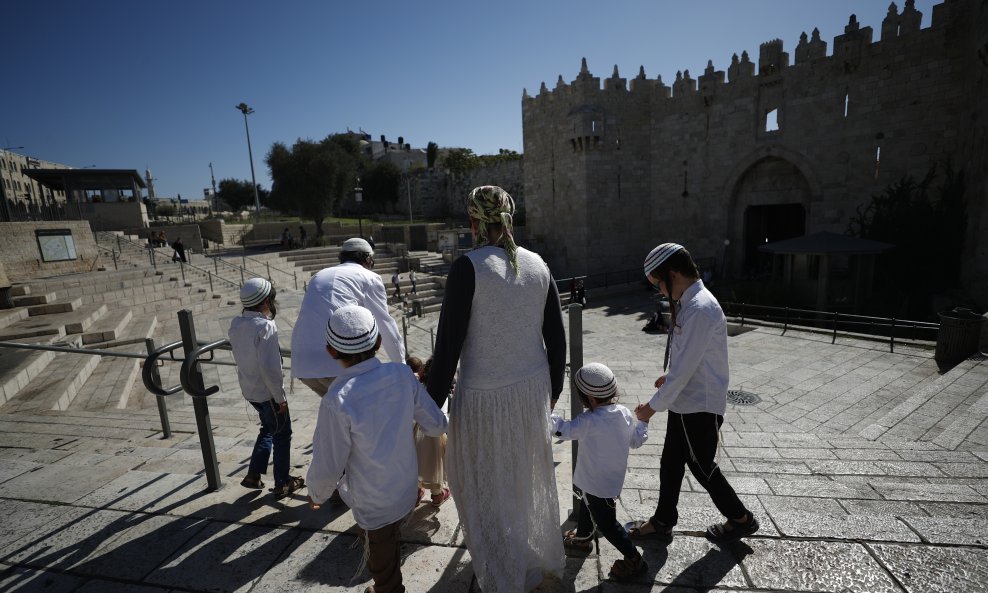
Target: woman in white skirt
502,322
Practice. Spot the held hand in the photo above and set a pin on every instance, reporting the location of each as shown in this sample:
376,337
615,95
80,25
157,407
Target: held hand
644,412
660,381
283,407
312,505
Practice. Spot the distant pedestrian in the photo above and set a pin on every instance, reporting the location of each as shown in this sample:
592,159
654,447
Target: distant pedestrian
254,341
302,237
694,391
411,278
396,282
179,253
581,294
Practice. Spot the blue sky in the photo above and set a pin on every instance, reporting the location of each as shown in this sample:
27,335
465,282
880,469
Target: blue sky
136,83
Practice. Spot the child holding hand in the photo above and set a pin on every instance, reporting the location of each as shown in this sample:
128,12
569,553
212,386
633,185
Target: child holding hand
606,431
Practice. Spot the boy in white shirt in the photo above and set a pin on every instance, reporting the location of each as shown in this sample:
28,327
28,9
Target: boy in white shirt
362,443
254,341
607,431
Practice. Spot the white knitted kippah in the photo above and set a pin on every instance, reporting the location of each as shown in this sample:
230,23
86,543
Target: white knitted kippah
357,244
254,291
352,329
660,254
596,380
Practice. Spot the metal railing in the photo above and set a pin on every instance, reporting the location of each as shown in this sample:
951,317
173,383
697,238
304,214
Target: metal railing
834,322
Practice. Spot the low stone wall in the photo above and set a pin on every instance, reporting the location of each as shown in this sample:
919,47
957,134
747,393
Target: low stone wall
21,252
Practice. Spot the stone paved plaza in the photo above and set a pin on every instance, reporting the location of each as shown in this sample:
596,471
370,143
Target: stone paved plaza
867,469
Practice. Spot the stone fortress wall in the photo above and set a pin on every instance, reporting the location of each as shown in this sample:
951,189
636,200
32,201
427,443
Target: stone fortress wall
612,167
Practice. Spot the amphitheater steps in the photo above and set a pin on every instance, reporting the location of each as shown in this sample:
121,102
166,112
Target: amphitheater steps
57,386
113,380
74,321
34,299
107,328
18,367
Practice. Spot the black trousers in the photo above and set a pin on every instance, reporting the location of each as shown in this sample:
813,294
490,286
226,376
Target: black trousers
602,512
698,432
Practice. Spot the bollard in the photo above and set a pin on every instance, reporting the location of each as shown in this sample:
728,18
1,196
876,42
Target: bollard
166,427
575,362
295,276
199,405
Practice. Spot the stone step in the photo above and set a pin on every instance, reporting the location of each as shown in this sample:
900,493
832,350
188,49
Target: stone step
141,326
108,327
71,322
55,388
34,299
57,307
20,290
31,327
10,316
965,425
111,382
19,366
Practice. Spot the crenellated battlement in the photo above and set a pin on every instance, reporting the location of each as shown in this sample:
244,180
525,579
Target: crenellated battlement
849,49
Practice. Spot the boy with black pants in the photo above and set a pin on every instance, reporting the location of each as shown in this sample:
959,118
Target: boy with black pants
694,391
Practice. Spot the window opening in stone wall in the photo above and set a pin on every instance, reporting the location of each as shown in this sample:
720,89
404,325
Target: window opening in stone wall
772,121
847,100
878,160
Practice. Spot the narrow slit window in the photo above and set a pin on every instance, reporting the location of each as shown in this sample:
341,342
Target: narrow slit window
847,102
878,160
772,121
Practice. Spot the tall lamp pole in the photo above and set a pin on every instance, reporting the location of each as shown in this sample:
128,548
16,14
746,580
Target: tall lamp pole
243,108
358,196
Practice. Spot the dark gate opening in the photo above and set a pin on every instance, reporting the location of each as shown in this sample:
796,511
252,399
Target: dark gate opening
767,224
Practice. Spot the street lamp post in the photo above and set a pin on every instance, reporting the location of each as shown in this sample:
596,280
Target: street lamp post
243,108
358,196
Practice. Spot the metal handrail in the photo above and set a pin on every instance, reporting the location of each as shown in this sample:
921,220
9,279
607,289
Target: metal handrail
191,360
149,371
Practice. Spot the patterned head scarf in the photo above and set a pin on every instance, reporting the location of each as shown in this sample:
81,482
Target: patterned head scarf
490,204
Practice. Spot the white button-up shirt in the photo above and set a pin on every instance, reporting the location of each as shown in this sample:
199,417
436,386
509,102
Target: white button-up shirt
254,341
331,288
698,369
365,427
606,434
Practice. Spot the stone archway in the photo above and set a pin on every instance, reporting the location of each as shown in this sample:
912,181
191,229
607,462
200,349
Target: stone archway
770,201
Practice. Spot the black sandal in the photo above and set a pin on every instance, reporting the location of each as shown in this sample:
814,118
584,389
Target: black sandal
634,529
718,535
578,547
294,483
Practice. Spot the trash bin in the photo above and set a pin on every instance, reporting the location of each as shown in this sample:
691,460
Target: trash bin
957,338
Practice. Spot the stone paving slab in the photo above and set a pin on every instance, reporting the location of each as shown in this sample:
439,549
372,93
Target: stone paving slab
936,569
814,566
16,579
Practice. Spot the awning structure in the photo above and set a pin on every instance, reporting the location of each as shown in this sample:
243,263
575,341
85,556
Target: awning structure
86,179
826,243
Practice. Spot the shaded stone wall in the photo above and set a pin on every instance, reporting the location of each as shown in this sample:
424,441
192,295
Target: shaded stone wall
613,167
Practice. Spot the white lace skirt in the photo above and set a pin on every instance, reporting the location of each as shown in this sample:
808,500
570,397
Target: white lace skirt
500,470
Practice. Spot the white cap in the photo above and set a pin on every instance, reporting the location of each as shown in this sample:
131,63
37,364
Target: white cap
358,245
352,329
254,291
660,254
596,380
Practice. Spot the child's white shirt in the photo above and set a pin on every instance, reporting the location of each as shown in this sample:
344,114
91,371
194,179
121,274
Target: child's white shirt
365,427
254,341
606,434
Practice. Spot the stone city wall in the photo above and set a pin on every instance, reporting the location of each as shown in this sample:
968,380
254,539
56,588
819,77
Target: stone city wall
21,253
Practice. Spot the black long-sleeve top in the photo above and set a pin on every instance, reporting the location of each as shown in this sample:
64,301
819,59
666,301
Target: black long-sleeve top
455,318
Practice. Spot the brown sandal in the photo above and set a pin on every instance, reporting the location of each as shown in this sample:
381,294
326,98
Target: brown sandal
294,483
578,547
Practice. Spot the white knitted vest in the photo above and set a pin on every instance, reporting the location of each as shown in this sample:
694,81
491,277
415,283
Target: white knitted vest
504,339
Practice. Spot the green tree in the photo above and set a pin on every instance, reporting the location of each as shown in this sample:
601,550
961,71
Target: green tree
380,183
927,223
239,195
460,160
431,152
314,177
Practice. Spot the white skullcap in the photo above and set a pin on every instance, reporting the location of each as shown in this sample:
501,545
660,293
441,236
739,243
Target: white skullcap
659,255
352,329
254,291
358,245
596,380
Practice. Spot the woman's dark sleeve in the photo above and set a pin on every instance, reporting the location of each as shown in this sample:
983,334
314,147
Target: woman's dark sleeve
554,336
452,330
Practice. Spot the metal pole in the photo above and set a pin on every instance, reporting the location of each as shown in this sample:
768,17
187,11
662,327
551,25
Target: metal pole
241,277
166,427
250,153
268,265
295,276
210,274
575,362
201,408
114,254
216,266
404,330
181,265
